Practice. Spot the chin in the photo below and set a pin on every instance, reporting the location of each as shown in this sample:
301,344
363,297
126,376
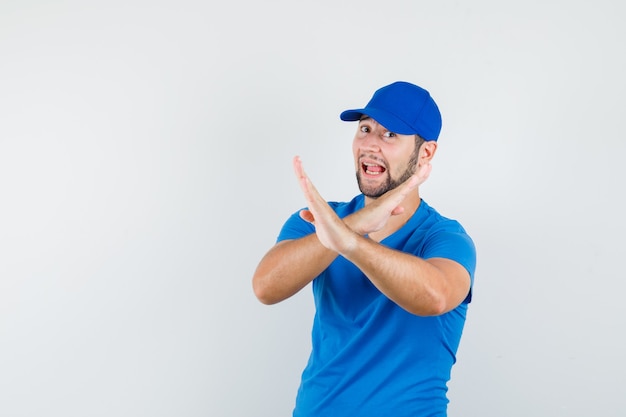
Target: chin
373,191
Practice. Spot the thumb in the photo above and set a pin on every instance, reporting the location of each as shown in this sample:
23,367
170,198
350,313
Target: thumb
307,216
397,210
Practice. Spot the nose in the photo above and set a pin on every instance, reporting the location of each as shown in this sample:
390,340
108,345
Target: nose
370,142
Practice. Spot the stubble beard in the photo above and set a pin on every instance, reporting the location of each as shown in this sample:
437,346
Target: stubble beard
390,184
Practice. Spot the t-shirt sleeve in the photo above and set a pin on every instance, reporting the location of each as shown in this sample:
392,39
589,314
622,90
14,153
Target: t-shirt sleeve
295,227
452,242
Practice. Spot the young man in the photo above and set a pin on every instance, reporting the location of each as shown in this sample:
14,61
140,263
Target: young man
391,277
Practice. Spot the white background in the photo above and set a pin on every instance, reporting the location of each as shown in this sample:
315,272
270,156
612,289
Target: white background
145,168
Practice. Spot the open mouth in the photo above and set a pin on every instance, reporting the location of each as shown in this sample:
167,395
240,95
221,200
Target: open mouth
372,169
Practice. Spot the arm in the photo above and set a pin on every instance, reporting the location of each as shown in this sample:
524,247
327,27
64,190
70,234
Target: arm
288,267
422,287
291,264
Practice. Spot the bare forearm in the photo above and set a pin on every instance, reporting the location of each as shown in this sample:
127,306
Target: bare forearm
288,267
422,287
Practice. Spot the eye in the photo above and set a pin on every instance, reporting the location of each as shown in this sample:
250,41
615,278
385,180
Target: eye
388,135
364,129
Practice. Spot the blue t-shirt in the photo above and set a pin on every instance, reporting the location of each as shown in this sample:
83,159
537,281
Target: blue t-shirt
370,357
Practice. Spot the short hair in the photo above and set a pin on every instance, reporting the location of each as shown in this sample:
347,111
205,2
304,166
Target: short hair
418,141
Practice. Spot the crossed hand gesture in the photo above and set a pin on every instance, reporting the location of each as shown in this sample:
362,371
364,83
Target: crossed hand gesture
341,235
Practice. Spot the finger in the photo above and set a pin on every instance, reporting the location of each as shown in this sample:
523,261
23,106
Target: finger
398,195
405,188
307,216
310,192
302,177
397,210
416,179
297,166
424,172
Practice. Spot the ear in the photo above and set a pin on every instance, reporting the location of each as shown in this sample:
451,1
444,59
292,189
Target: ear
427,151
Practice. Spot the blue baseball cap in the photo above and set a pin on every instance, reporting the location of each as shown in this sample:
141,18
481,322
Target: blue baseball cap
402,108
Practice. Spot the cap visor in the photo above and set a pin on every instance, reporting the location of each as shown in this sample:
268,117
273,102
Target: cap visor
386,119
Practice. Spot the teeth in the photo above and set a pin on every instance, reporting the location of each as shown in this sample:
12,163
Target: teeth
367,165
372,168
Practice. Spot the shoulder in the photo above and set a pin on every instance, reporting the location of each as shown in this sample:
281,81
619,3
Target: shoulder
435,221
441,236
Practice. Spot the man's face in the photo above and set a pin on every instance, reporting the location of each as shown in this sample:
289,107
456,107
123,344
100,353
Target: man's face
383,159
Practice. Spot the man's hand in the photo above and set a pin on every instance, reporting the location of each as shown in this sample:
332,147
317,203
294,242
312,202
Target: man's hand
422,287
340,236
330,229
375,215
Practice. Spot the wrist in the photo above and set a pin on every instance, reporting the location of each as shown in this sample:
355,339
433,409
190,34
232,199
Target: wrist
350,244
351,221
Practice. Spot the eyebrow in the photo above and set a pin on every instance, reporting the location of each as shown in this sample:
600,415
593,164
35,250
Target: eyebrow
366,118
